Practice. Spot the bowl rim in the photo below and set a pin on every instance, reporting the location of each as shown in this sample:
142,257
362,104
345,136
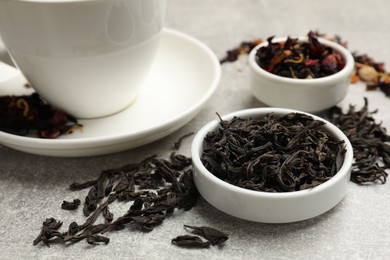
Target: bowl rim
344,72
198,141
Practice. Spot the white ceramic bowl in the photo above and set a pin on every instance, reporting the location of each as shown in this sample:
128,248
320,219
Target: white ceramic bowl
269,207
310,95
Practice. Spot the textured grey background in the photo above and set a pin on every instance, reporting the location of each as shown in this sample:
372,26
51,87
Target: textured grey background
33,187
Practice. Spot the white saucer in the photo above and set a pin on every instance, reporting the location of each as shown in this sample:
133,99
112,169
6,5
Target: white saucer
184,76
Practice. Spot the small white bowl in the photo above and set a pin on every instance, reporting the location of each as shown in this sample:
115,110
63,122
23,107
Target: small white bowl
310,95
269,207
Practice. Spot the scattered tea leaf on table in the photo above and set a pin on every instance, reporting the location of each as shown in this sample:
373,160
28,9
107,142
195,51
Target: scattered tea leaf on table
190,242
49,231
370,142
96,239
211,234
70,205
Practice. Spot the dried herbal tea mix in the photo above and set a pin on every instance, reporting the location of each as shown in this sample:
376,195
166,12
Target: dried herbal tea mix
370,142
372,73
299,59
273,154
367,70
21,115
154,188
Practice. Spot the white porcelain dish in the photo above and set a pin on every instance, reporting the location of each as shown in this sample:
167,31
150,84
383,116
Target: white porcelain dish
310,95
269,207
184,76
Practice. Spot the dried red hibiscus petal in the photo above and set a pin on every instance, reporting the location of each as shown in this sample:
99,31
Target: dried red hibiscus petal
22,114
316,49
303,60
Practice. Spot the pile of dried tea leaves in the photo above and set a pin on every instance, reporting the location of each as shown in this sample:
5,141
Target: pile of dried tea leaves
21,115
369,140
273,154
154,188
299,59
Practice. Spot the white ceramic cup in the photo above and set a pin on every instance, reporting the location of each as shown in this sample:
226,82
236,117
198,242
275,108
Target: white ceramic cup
87,57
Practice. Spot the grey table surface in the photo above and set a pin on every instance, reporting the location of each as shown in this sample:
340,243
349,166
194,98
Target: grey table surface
32,187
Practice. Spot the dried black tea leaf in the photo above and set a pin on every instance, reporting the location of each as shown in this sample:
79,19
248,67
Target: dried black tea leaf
190,242
73,229
49,231
148,222
180,161
108,215
80,186
213,235
370,142
177,144
273,154
91,201
97,239
70,205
